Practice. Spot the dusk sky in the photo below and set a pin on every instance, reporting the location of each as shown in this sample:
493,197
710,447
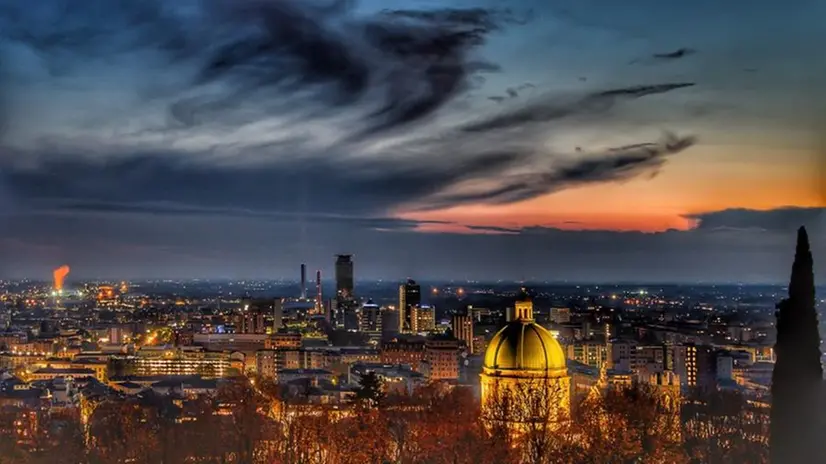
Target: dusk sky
564,140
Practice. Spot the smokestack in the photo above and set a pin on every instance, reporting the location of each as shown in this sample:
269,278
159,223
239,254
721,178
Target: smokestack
303,281
318,300
60,276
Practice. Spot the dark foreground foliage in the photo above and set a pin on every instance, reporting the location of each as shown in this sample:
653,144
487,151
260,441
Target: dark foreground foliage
250,423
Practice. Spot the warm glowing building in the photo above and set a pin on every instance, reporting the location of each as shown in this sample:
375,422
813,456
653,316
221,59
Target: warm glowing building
106,293
524,377
462,325
164,360
422,319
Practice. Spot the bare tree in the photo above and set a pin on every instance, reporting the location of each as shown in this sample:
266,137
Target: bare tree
722,427
534,414
124,431
438,425
629,424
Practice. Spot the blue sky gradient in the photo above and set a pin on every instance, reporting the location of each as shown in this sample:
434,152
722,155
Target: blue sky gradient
580,140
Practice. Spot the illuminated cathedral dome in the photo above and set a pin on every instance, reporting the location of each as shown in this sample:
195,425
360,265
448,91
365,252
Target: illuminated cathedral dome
524,377
524,345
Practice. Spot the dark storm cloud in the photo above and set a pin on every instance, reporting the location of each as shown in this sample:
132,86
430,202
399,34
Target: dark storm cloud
780,219
412,62
431,55
549,109
417,64
280,43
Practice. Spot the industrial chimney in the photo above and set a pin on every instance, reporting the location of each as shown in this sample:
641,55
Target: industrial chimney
318,301
303,281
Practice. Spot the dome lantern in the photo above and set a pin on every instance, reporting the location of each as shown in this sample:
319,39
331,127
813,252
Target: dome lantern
523,310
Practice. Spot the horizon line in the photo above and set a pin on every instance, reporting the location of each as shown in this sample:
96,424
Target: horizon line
292,280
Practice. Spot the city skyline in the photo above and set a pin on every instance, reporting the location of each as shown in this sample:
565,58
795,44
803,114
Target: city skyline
211,140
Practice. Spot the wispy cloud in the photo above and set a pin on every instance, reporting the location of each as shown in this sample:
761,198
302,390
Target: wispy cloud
549,109
614,165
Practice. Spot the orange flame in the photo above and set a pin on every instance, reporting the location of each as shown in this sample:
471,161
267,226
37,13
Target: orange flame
59,276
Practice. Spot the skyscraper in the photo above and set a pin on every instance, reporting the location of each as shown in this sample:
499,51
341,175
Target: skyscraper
410,295
389,323
345,312
344,276
370,318
422,318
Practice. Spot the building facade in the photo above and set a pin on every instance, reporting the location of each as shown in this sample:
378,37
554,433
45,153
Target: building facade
410,296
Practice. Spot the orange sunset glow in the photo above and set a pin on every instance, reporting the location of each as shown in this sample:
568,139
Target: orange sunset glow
695,184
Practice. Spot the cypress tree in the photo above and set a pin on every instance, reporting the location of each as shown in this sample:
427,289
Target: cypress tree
798,375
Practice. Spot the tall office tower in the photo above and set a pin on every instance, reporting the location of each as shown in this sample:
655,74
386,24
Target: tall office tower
351,316
278,314
404,325
410,295
462,325
370,318
389,323
319,302
303,281
422,318
328,310
344,276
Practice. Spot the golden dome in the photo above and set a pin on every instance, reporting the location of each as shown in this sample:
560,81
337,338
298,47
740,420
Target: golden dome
524,345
